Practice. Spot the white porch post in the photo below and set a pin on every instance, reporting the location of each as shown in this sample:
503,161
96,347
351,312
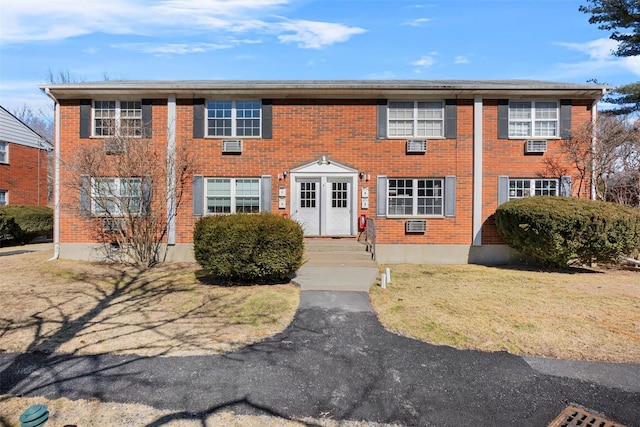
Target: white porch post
477,171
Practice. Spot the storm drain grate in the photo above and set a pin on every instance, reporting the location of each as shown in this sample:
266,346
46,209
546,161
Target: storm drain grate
574,417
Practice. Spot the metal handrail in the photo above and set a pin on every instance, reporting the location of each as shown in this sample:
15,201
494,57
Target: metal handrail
370,237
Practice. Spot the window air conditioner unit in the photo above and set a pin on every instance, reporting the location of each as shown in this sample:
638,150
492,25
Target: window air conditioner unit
114,146
416,145
536,146
232,146
415,226
113,225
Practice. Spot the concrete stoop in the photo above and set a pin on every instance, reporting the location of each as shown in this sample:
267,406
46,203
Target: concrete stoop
337,265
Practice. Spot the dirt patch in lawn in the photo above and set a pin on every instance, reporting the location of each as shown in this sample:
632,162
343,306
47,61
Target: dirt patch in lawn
89,308
576,314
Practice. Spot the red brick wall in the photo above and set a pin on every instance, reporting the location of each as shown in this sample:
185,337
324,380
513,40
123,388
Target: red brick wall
25,176
344,131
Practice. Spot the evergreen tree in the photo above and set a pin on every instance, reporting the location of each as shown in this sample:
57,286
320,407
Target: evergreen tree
622,17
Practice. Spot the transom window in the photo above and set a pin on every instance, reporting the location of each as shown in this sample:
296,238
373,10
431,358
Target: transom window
413,196
232,195
117,118
234,118
117,196
416,119
3,197
533,119
519,188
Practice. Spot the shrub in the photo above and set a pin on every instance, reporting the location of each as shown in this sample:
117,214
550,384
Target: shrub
556,230
250,248
25,223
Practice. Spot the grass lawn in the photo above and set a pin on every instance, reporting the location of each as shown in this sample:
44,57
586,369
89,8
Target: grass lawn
576,314
84,308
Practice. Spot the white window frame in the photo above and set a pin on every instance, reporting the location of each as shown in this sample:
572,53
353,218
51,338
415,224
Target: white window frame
422,116
234,117
121,111
528,187
233,196
523,125
4,197
116,196
416,197
4,152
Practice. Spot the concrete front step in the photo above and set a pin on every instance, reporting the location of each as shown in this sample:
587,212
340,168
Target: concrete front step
336,253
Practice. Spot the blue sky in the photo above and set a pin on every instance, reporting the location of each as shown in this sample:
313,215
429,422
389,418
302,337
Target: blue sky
300,39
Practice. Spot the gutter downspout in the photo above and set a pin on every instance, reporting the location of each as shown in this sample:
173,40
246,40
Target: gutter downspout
594,138
56,179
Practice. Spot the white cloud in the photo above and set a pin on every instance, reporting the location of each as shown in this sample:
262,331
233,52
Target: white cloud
417,22
425,61
316,35
49,20
601,58
461,60
172,48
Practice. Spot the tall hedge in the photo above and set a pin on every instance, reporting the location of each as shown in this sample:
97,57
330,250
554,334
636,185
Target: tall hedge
556,230
248,248
25,223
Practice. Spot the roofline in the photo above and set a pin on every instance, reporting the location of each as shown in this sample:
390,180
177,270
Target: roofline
371,89
27,126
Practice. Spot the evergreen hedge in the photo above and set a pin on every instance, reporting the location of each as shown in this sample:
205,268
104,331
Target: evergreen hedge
556,230
25,223
248,248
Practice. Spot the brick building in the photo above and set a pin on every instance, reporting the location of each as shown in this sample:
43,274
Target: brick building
23,163
427,161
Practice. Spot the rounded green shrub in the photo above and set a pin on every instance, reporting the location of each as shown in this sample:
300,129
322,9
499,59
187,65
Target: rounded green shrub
556,230
248,248
25,223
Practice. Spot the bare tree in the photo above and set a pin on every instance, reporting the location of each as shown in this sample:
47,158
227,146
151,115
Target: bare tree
130,189
614,160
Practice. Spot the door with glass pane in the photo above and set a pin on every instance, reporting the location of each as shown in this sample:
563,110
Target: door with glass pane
339,207
308,206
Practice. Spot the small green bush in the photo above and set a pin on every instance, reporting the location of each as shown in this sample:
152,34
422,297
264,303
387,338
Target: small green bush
248,248
25,223
556,230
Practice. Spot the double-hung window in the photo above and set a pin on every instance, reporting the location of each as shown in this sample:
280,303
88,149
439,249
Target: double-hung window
415,196
408,119
112,118
519,187
4,152
234,118
232,195
533,119
3,197
117,196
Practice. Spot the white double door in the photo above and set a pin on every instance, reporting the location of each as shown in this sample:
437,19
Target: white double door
324,205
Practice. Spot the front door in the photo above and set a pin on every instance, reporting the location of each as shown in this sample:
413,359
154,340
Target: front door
338,207
308,207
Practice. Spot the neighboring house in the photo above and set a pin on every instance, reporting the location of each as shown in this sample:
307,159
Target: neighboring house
428,161
23,163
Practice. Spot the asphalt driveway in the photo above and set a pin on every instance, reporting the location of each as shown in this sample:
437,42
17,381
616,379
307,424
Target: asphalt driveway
335,360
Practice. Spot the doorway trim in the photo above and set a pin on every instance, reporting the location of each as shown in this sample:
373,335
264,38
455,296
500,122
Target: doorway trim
326,171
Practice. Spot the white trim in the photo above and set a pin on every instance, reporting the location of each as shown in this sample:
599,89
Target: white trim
326,171
477,170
